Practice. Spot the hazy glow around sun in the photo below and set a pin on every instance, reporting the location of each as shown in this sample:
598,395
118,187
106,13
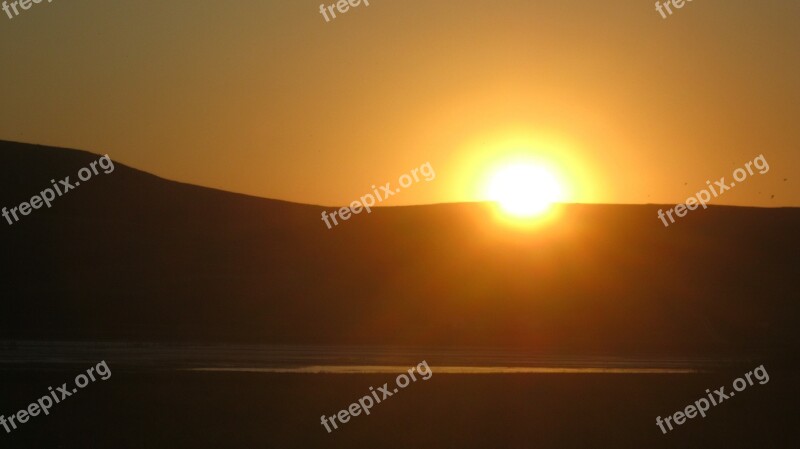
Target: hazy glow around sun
525,174
524,189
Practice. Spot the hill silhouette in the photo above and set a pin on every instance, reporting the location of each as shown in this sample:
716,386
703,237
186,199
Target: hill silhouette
130,256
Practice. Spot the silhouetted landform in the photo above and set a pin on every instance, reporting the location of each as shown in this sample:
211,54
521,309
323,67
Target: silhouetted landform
133,257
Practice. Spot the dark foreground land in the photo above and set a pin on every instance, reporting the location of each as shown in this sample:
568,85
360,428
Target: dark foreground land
179,409
133,258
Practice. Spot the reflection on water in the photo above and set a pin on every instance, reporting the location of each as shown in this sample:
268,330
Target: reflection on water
337,359
333,369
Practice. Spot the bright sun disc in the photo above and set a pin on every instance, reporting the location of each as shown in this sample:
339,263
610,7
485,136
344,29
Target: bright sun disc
524,190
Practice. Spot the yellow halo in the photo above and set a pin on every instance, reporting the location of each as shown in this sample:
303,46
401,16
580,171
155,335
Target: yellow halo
524,190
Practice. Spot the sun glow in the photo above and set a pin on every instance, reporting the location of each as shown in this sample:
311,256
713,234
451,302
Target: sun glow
525,176
524,190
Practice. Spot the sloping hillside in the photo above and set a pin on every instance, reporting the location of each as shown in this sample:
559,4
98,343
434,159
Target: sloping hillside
132,256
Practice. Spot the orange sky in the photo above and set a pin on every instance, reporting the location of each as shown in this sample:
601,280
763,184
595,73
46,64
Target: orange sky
266,98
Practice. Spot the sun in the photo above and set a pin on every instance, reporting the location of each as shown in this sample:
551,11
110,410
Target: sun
524,190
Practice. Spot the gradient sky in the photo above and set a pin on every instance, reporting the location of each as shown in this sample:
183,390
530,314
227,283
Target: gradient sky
265,98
